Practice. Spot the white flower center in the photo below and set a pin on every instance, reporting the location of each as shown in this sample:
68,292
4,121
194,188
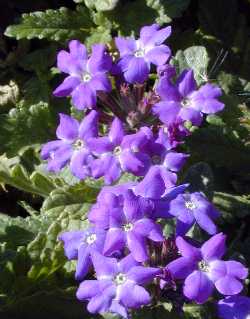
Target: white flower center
86,77
120,279
190,205
128,227
139,53
117,150
91,239
79,144
248,316
203,266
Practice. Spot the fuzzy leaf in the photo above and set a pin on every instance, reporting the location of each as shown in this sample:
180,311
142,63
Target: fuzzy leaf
196,58
57,25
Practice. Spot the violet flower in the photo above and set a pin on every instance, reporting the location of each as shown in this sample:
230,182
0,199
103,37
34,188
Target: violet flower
79,245
118,152
183,100
136,56
127,224
202,269
118,286
86,75
191,208
235,307
71,146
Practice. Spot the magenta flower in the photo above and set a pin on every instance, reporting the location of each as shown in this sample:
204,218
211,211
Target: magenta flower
202,269
86,75
183,100
72,145
235,307
79,245
191,208
118,286
136,56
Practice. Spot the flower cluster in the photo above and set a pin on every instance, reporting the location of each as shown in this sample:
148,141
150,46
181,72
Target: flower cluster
124,246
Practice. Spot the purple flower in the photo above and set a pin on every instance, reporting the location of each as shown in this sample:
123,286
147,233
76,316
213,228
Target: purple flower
71,146
118,152
235,307
136,56
86,75
79,244
183,100
127,224
202,269
191,208
118,286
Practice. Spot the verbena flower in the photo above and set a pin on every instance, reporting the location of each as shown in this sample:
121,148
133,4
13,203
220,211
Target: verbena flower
183,100
136,56
202,269
118,286
79,245
118,152
235,307
126,220
191,208
72,145
86,75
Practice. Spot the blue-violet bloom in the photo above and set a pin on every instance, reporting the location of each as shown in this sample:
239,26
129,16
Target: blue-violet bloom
86,75
118,286
235,307
136,56
71,146
202,269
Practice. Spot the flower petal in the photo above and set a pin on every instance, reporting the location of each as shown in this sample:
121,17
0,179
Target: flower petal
79,164
100,60
127,263
115,241
60,158
174,161
192,115
78,50
83,97
214,248
204,221
198,287
147,228
187,250
100,145
102,302
100,82
143,275
186,82
104,266
133,296
83,263
125,45
51,147
228,285
116,132
89,125
71,241
68,128
158,55
235,268
137,246
167,111
138,71
67,86
181,267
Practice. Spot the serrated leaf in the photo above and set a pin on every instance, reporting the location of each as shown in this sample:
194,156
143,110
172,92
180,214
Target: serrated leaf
57,25
168,9
17,176
196,58
101,5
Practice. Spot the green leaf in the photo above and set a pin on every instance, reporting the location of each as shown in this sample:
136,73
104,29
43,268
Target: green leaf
232,206
16,175
101,5
168,9
57,25
196,58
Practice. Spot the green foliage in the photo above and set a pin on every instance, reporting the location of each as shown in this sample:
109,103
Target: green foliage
57,25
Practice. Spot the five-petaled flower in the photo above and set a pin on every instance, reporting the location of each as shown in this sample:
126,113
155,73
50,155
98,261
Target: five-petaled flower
86,75
202,269
72,145
136,56
118,286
